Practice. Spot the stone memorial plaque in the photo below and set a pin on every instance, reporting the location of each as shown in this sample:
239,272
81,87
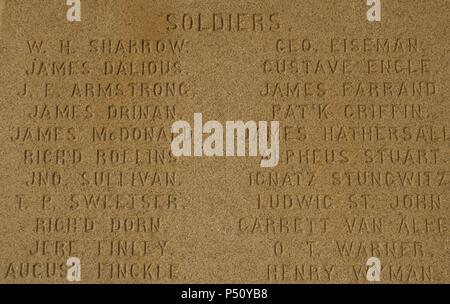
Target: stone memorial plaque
214,141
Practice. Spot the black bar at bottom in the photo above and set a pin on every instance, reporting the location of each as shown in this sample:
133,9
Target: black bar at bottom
227,293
